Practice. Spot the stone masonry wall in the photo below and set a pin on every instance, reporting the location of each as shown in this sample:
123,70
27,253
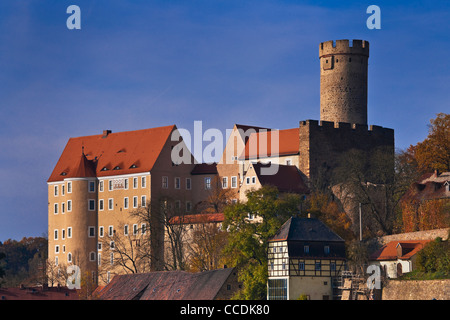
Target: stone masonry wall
417,290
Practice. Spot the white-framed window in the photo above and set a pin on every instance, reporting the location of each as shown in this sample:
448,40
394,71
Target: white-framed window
135,202
91,186
101,231
177,183
188,206
135,229
110,231
126,183
135,183
100,186
69,232
69,186
125,230
207,183
234,182
69,257
55,211
188,184
69,205
125,203
101,204
91,206
247,180
63,207
55,191
57,249
63,234
55,234
91,232
224,182
143,228
63,191
110,185
165,182
64,249
143,201
110,203
56,261
99,256
99,246
111,261
143,182
92,256
253,180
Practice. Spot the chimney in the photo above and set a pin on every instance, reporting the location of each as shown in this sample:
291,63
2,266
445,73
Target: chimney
106,133
436,173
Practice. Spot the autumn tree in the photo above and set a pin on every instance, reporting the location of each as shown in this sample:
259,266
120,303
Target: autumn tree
250,226
434,152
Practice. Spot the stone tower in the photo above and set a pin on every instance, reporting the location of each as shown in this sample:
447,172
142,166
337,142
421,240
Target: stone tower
343,81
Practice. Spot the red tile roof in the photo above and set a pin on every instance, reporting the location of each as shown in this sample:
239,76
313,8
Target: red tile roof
287,178
111,154
198,218
403,250
37,293
259,145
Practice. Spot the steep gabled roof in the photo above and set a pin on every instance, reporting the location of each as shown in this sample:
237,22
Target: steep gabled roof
260,144
403,250
111,154
166,285
305,229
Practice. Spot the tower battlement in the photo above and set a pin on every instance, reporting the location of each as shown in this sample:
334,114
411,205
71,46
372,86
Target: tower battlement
358,47
334,128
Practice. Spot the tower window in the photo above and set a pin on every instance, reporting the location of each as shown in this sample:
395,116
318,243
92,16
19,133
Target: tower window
349,59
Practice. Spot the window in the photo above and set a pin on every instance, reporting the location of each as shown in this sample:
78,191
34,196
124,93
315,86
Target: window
306,249
277,289
247,181
224,182
56,261
63,234
110,203
326,249
125,203
177,183
100,186
100,231
57,249
63,207
233,182
69,257
143,182
317,266
288,162
110,231
135,202
135,183
165,182
69,232
92,256
177,205
55,237
91,232
188,183
63,190
207,183
126,182
55,209
135,229
110,185
143,201
188,206
125,229
143,228
55,191
69,205
253,180
301,266
99,258
91,186
101,204
333,266
69,187
91,205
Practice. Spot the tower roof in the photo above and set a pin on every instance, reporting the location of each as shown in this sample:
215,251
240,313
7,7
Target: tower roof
111,154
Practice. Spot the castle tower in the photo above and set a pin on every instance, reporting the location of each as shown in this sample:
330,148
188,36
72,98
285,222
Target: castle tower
343,81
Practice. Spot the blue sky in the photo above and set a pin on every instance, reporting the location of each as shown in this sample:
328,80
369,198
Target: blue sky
143,64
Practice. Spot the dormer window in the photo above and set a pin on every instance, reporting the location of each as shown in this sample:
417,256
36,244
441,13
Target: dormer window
133,166
64,173
116,168
104,169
